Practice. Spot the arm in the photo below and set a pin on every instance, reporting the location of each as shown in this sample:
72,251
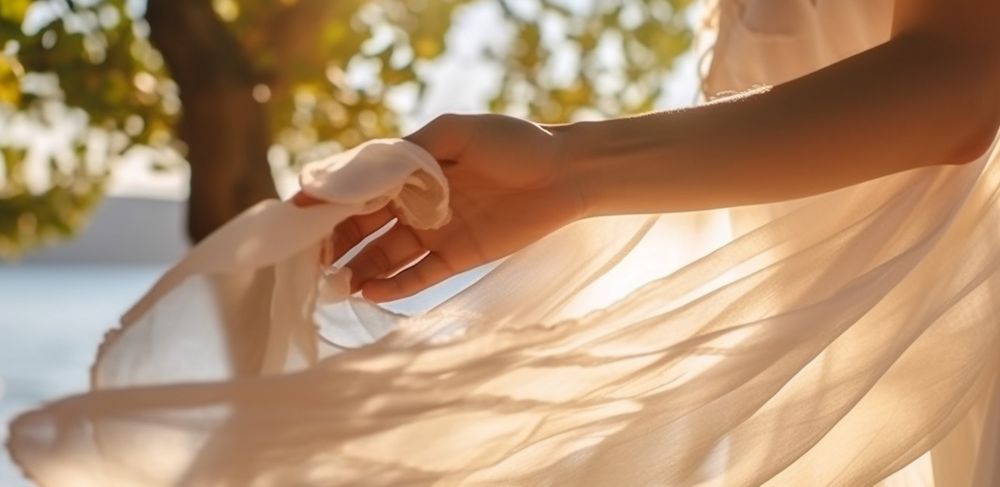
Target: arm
929,96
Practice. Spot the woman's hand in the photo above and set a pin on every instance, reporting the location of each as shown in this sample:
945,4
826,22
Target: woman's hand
509,188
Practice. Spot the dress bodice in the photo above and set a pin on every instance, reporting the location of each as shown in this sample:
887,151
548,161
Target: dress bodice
773,41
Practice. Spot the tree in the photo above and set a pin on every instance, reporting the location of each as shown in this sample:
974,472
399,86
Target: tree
230,85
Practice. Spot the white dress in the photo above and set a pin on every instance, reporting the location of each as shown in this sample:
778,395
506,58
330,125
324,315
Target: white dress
846,339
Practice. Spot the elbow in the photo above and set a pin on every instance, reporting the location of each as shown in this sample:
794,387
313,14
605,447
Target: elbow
979,107
976,117
973,118
975,140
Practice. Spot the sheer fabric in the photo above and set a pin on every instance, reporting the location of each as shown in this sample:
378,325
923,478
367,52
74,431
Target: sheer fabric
844,339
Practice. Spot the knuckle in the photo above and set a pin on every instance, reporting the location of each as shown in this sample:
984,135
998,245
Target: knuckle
446,120
447,266
444,136
419,277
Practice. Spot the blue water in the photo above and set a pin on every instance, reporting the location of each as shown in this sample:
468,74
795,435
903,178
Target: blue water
51,321
53,317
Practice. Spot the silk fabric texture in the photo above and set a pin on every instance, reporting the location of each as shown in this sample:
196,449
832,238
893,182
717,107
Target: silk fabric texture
849,338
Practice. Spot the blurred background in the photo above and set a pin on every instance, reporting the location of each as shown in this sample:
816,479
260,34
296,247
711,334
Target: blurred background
131,128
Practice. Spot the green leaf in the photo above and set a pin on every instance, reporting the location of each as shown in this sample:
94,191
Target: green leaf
10,81
14,10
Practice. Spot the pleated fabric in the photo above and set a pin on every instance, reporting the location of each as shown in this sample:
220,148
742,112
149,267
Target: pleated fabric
850,338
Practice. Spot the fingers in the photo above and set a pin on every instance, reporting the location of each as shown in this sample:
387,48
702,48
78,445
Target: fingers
385,255
353,230
431,270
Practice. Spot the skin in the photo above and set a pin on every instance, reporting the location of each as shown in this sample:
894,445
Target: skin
929,96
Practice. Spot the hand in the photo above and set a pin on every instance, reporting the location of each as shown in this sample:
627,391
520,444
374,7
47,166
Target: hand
509,188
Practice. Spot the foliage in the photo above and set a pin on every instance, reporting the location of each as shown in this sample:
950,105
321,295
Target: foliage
89,61
618,52
560,59
28,219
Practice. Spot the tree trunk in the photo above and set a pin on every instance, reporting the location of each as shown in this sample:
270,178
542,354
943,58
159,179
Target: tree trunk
225,129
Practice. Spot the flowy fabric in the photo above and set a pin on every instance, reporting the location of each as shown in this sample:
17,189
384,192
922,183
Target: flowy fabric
849,338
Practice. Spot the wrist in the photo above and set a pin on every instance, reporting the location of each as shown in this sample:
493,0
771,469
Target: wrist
580,164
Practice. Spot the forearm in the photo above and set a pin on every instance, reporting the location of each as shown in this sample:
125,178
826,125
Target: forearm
906,104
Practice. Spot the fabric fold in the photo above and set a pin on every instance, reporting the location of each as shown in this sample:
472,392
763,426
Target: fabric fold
848,338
